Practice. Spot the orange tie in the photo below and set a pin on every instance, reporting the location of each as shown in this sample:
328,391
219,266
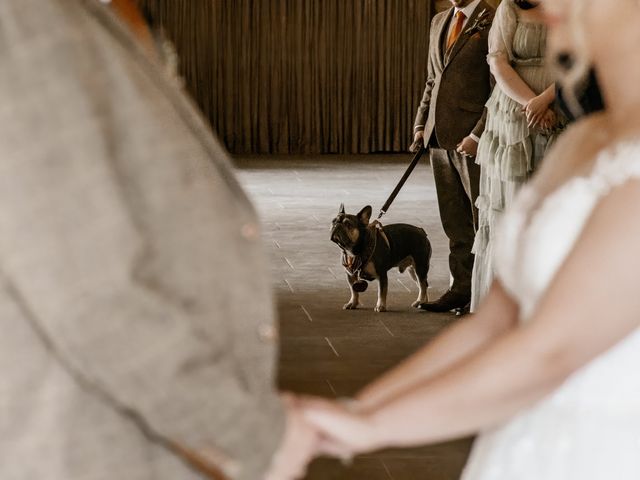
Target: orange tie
457,29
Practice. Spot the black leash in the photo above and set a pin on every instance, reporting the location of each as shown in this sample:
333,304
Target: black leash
403,180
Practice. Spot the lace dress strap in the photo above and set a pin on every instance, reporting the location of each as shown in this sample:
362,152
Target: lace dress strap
616,166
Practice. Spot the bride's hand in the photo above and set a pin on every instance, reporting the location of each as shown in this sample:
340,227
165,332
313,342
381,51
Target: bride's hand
344,431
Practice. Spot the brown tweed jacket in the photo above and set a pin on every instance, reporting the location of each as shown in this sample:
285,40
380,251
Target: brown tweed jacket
135,306
458,84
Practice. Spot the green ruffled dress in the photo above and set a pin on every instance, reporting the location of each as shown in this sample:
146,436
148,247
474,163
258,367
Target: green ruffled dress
509,151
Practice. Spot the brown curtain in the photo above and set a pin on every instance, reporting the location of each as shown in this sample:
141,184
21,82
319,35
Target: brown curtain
303,76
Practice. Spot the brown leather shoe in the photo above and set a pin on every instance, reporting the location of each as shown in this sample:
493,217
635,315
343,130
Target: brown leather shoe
449,301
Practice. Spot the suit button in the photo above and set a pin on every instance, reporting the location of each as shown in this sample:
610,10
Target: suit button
267,333
249,231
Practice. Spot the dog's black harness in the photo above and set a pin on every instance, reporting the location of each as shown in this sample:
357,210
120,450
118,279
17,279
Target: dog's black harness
354,264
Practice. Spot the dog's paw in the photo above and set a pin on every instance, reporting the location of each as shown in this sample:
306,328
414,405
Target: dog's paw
380,308
351,306
417,304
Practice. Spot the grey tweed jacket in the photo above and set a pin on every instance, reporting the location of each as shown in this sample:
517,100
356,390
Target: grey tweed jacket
136,316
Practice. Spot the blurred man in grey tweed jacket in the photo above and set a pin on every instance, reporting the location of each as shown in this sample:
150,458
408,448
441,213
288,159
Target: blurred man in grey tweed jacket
137,323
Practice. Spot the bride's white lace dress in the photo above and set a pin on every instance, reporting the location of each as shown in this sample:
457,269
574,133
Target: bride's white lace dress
588,429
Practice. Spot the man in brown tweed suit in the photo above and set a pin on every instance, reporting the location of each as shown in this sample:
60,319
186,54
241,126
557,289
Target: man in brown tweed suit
450,121
138,330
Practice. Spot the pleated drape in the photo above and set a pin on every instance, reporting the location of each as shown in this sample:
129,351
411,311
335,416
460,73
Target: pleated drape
303,76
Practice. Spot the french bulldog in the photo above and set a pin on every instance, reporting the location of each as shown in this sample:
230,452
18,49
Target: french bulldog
369,251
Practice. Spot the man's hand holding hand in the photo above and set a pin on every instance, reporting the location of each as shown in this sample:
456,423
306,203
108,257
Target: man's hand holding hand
344,430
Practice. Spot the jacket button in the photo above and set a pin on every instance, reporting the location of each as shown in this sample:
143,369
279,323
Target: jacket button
249,231
267,333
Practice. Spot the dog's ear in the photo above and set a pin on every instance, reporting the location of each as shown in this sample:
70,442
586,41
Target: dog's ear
365,215
341,211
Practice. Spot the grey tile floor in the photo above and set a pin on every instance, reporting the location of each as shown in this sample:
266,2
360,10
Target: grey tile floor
327,351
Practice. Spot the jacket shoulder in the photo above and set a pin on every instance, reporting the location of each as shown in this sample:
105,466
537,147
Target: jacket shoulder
488,7
440,17
438,22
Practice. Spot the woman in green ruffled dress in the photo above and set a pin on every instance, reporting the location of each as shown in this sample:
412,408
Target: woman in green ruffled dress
521,123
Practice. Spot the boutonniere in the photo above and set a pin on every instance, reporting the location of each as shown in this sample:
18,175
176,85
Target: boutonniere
482,22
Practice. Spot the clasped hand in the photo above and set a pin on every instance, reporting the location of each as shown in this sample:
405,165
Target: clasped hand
317,427
538,113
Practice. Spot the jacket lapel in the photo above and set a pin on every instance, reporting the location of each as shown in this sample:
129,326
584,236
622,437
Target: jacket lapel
442,31
464,36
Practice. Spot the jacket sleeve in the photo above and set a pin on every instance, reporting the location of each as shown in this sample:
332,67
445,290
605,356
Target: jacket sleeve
149,356
478,130
423,109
